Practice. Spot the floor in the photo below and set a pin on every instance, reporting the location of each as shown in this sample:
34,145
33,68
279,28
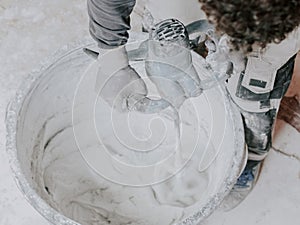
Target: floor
31,30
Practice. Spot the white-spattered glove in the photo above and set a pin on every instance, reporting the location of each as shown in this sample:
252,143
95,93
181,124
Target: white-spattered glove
170,68
117,81
220,55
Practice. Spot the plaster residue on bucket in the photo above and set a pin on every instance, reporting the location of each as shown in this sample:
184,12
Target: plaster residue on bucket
61,155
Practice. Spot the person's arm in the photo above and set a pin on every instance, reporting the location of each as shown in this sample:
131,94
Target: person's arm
110,21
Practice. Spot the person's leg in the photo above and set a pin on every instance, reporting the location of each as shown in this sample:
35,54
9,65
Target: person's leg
259,125
258,128
258,134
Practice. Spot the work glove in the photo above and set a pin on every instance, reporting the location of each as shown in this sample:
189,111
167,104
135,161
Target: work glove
117,82
220,55
170,68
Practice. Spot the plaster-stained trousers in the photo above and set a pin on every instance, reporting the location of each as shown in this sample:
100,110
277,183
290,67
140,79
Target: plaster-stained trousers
109,25
259,125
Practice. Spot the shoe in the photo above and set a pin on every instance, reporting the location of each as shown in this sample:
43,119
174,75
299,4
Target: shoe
245,181
242,188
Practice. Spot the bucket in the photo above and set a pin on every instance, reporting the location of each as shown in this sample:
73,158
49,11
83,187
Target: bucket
57,179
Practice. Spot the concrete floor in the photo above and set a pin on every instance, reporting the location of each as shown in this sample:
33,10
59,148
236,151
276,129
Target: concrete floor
31,30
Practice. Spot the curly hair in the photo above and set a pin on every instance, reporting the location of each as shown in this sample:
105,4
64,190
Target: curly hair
254,21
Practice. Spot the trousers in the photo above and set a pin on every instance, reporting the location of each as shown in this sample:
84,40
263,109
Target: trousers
258,126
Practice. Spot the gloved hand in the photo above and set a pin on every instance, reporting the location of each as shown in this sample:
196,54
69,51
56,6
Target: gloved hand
117,82
220,55
170,68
